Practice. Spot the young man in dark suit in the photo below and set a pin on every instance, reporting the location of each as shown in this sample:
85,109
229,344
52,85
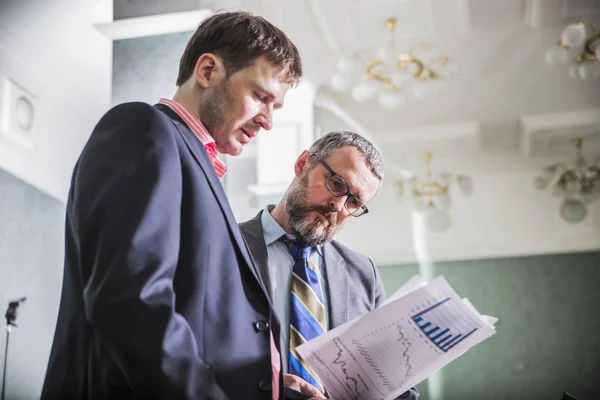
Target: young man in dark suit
161,298
315,282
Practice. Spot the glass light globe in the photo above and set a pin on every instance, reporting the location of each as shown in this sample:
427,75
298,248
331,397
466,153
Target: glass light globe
438,221
573,210
392,100
400,77
340,83
589,70
349,66
573,35
365,90
556,55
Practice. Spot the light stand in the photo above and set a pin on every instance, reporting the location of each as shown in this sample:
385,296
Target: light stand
11,317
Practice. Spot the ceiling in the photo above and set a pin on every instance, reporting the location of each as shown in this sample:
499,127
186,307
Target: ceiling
498,46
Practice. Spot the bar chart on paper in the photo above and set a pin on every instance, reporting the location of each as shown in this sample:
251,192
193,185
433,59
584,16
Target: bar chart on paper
446,324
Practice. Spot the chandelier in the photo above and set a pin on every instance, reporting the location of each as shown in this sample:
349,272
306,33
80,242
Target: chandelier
431,194
580,45
392,76
577,185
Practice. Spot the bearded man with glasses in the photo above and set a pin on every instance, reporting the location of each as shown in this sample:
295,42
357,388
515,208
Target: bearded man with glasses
315,283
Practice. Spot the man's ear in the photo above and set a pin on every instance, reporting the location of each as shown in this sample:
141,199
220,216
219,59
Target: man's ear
302,163
209,70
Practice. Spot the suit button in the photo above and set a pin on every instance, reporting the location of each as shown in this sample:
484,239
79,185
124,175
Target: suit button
264,386
261,326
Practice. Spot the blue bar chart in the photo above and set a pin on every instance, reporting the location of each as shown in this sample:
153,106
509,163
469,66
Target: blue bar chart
445,324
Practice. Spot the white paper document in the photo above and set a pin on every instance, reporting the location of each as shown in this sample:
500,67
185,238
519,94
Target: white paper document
379,356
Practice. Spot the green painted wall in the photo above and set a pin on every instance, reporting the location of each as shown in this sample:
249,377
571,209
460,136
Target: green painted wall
548,335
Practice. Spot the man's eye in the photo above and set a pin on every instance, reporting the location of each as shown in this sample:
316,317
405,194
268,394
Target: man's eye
354,202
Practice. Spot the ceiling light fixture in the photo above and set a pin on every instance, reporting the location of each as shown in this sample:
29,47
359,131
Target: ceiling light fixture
391,75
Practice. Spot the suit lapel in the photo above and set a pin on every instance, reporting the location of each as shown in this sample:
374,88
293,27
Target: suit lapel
201,157
254,235
337,285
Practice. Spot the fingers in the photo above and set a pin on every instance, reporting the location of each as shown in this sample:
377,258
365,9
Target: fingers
299,384
309,389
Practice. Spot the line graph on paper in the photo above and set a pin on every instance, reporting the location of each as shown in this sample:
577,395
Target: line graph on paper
445,324
369,366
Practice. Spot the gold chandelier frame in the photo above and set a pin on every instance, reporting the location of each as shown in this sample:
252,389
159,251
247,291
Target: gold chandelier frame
423,71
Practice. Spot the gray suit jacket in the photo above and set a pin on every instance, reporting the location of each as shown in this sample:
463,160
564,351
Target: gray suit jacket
354,286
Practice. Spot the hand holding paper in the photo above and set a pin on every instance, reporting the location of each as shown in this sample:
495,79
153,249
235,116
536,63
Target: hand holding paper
379,356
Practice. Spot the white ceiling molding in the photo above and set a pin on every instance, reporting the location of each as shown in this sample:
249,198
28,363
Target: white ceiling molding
153,25
545,135
453,140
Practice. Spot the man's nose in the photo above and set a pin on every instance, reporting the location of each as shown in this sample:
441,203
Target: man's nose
337,203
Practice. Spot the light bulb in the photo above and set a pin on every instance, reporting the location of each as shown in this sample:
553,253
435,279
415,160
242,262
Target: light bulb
573,35
438,221
400,77
589,70
556,55
365,90
340,83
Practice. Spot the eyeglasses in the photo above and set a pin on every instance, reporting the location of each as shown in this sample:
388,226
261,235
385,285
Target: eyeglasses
338,187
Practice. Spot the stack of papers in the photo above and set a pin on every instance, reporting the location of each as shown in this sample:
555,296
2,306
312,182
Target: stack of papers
379,356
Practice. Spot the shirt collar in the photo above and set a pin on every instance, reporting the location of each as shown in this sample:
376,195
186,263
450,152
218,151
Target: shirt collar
201,133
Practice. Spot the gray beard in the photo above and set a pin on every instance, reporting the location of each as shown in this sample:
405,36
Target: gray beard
297,209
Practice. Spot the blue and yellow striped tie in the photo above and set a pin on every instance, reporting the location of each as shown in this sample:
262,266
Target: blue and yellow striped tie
307,317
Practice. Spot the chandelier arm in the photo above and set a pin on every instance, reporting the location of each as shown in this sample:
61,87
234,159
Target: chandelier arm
588,54
379,77
407,58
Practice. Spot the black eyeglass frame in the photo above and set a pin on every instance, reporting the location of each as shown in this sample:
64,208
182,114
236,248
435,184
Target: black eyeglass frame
362,207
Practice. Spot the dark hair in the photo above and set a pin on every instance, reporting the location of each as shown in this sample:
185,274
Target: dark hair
239,38
336,140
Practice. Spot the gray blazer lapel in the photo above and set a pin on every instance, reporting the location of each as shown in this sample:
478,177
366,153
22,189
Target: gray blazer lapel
337,286
253,233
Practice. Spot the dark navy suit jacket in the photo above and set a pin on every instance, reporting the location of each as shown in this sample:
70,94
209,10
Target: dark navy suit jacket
160,296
